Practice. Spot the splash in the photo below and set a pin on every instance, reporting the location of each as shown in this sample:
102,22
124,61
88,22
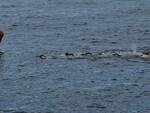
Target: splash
134,48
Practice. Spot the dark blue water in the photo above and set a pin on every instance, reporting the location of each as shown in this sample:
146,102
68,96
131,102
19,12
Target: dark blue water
36,27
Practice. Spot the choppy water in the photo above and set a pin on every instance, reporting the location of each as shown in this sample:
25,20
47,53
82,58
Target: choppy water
34,27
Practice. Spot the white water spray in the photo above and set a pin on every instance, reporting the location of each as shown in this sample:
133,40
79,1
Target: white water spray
134,48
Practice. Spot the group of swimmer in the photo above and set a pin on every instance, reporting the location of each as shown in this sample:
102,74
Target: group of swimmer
145,54
108,54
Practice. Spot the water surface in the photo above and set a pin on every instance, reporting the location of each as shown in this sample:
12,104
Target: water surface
36,27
